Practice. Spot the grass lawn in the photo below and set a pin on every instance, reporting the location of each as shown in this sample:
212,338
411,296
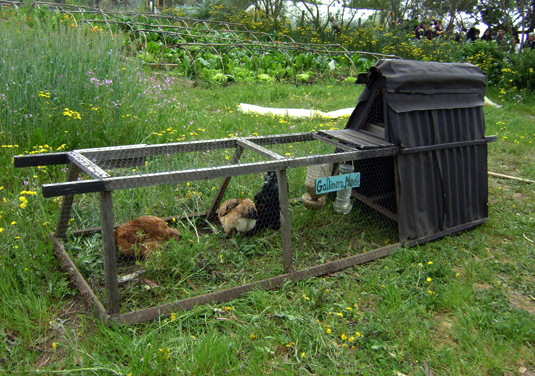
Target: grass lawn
462,305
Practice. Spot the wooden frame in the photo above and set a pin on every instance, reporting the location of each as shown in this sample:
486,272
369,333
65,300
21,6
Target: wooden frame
102,182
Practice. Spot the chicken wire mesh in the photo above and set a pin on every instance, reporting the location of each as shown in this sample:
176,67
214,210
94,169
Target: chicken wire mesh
228,229
374,122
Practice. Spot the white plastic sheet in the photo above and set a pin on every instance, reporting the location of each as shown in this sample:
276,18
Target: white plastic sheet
293,112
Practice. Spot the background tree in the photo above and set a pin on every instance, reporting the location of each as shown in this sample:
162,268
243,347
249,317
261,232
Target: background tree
315,15
272,9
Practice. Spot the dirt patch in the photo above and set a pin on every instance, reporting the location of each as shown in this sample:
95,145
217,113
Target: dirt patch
518,301
444,330
69,317
517,196
480,287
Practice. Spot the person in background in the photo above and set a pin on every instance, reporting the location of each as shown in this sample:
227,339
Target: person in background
530,43
461,36
472,34
437,28
420,30
515,44
487,35
500,39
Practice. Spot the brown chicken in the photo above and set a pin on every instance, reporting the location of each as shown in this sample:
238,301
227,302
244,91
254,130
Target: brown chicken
238,214
143,235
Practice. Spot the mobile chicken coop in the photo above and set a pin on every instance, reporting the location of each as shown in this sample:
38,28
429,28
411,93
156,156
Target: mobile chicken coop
416,137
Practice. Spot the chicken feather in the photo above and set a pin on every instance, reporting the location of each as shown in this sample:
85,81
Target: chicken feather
237,214
142,235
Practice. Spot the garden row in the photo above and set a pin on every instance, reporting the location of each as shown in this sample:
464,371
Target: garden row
230,50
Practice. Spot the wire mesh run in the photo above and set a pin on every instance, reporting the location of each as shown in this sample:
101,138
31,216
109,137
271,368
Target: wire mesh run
204,259
196,218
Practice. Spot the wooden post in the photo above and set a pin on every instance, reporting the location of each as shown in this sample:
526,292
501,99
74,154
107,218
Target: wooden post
66,205
286,228
108,250
211,214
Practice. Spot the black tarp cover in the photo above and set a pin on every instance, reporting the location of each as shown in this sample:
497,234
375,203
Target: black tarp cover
425,104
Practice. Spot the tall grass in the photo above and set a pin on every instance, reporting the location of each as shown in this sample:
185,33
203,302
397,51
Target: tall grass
61,76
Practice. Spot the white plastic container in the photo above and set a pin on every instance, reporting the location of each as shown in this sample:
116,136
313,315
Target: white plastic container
343,197
316,172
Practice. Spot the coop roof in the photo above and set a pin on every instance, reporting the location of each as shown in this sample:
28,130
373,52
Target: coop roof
416,85
434,113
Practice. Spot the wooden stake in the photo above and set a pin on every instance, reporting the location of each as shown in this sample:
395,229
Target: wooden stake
510,177
286,228
110,259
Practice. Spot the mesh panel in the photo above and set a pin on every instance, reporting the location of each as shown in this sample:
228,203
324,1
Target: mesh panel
240,242
374,122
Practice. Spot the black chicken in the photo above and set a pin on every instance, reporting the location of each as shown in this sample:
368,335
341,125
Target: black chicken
267,204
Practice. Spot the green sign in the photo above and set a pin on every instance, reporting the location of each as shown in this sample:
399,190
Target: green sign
337,183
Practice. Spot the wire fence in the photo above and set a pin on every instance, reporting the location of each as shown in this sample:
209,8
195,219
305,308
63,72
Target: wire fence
189,45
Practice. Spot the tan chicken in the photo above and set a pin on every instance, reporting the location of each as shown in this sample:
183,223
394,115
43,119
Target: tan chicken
143,235
237,214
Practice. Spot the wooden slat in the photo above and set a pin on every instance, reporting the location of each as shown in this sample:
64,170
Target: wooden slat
344,137
363,139
47,159
108,251
332,142
372,138
212,212
61,189
374,129
66,204
286,230
370,202
71,188
87,166
259,149
266,284
70,268
495,174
